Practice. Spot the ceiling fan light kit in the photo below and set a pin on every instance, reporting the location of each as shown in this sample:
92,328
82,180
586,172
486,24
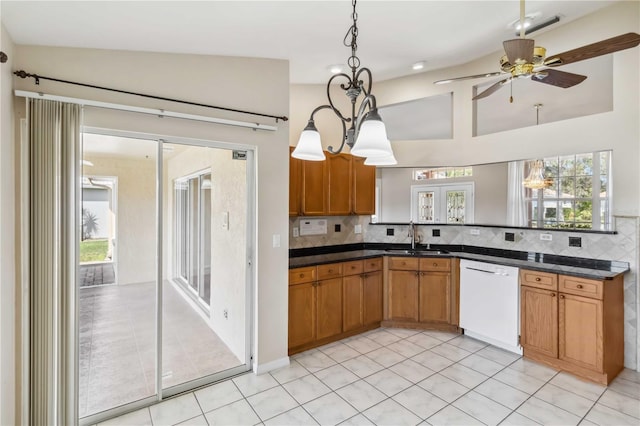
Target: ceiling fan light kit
523,59
367,135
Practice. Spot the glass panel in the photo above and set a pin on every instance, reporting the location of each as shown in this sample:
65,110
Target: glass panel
456,207
584,187
117,288
567,166
567,187
425,206
204,321
584,164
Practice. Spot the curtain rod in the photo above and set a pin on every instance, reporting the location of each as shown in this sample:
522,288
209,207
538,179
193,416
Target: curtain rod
23,74
157,112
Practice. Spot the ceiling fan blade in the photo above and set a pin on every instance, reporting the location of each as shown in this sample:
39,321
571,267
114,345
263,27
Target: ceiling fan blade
558,78
519,50
604,47
492,89
468,77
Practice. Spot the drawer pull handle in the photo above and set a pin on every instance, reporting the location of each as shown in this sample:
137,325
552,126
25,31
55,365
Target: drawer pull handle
553,295
301,275
330,270
562,296
579,286
537,278
435,264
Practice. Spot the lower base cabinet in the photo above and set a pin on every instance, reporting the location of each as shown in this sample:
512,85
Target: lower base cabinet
420,293
333,301
573,324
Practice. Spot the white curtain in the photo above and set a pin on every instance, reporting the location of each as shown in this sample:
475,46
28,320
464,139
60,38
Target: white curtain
516,205
54,146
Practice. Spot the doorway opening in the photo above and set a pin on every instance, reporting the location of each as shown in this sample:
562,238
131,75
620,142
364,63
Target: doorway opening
178,315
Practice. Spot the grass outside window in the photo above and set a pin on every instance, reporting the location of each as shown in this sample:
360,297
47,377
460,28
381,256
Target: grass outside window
94,250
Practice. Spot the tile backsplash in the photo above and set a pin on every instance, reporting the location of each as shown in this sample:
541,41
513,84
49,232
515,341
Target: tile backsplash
622,246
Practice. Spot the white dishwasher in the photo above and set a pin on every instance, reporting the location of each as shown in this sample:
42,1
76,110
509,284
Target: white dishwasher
490,303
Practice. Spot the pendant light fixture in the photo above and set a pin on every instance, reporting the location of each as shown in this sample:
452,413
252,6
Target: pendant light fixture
367,135
536,179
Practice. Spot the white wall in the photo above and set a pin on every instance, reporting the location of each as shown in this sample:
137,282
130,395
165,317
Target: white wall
259,85
8,288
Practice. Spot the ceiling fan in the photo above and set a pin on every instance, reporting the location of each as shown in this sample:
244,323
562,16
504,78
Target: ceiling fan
523,59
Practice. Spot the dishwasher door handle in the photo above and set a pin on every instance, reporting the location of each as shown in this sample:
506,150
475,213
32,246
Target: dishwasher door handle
486,272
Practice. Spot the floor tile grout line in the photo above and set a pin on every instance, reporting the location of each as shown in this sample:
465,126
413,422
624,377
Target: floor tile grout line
200,406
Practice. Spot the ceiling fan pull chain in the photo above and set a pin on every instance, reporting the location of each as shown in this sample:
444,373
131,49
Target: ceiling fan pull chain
511,95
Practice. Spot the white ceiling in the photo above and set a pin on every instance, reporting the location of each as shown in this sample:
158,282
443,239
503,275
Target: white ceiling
392,34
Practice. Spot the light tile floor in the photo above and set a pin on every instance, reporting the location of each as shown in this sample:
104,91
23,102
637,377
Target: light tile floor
403,377
118,346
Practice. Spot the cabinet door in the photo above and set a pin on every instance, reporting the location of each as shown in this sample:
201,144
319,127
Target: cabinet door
294,184
403,295
339,184
372,295
329,307
580,331
352,307
364,187
314,186
539,320
435,302
302,314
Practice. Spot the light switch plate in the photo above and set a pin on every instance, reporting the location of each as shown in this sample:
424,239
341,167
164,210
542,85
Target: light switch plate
276,240
546,237
225,220
357,229
474,231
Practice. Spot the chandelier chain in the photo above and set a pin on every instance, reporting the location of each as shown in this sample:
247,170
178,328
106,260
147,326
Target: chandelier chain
353,61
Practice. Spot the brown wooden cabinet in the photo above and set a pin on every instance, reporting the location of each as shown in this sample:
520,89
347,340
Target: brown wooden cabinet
339,186
573,324
302,306
331,301
313,188
539,320
295,170
364,187
420,292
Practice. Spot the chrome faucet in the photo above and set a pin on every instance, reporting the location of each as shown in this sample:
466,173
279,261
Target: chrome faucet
415,237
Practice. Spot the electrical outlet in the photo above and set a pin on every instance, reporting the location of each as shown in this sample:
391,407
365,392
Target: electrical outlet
509,236
435,232
296,232
546,237
474,231
390,231
357,229
337,227
575,242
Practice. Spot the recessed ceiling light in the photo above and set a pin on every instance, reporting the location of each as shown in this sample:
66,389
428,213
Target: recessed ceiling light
335,69
418,66
527,24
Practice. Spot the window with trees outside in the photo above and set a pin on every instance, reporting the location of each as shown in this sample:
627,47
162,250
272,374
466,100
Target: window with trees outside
578,195
442,173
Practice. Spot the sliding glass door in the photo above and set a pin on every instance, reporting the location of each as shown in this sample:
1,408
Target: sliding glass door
166,325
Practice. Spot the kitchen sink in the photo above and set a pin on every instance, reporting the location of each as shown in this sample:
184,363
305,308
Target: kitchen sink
417,252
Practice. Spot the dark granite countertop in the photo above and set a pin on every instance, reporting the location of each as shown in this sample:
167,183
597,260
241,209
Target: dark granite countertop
575,266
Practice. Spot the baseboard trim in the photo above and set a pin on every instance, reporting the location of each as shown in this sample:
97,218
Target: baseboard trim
270,366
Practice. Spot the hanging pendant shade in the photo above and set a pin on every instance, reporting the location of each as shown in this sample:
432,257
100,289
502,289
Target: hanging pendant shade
372,140
388,160
309,145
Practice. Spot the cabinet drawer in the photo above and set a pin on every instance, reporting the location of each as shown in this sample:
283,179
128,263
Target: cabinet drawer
404,263
332,270
371,265
538,279
435,264
302,275
581,287
353,268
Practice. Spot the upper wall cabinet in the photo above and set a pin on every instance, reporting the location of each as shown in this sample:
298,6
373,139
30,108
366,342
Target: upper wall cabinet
339,186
